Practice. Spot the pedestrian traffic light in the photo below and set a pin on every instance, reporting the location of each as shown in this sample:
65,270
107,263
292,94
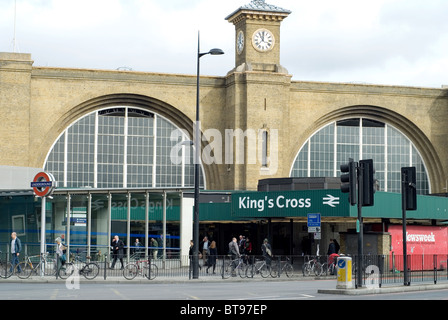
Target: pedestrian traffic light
348,180
368,182
409,188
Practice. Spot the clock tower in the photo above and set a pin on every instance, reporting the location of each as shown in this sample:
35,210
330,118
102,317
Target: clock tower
257,96
257,36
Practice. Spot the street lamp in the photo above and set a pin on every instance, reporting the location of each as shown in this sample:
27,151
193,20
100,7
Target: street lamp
197,144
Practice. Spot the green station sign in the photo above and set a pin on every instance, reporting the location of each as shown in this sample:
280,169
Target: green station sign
328,202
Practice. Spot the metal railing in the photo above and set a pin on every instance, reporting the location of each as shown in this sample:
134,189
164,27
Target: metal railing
377,269
388,269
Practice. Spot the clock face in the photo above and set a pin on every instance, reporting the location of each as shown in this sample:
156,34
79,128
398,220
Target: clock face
263,40
240,42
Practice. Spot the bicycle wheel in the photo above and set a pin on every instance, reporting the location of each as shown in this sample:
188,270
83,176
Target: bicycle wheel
151,271
5,270
226,269
250,271
331,269
242,270
265,271
50,266
23,270
66,270
318,269
306,270
90,270
274,270
130,271
289,270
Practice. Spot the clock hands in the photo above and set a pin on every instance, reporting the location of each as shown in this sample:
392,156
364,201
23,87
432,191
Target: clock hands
263,40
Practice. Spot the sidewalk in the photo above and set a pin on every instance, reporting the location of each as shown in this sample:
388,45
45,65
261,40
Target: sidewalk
390,288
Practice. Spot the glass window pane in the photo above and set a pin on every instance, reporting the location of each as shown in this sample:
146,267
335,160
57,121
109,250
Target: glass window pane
393,153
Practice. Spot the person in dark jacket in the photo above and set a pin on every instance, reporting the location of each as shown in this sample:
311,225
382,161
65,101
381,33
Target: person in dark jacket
211,257
16,247
118,251
331,247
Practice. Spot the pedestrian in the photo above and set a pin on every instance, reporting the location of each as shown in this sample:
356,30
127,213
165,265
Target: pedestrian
331,248
61,250
234,252
137,248
247,249
118,251
242,243
190,255
155,248
337,246
212,255
16,247
205,250
266,251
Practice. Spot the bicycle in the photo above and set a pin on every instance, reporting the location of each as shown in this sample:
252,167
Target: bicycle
27,267
282,266
329,267
229,267
259,267
143,267
5,268
312,265
89,269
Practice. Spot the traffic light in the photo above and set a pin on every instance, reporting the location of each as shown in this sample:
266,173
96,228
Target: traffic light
368,182
348,180
409,188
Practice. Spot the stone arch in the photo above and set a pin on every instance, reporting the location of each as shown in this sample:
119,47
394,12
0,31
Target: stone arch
177,117
421,142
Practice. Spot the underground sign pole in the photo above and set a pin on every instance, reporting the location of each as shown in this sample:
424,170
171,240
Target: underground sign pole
43,186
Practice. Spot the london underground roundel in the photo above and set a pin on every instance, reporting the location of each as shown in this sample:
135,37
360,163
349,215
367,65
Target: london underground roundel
43,184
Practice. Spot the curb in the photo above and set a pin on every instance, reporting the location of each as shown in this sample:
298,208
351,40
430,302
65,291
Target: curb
388,289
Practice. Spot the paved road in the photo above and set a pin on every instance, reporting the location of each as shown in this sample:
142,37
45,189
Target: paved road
198,291
198,299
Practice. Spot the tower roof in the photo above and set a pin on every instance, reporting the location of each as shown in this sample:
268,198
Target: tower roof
260,5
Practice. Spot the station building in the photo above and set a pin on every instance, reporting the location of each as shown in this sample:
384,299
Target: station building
117,144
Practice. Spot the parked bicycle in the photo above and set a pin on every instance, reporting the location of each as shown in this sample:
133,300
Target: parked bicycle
233,266
41,263
278,267
143,267
5,268
329,267
313,265
259,267
89,269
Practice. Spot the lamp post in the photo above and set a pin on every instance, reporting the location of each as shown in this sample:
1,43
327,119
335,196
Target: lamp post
197,144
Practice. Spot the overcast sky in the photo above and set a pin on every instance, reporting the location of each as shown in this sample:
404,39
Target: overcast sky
391,42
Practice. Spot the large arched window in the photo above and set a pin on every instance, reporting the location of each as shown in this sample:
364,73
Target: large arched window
120,147
363,138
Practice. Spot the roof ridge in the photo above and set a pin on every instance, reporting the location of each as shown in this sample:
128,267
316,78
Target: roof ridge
262,5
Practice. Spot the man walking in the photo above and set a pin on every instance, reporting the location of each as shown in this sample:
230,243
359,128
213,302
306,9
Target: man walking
118,251
234,252
16,247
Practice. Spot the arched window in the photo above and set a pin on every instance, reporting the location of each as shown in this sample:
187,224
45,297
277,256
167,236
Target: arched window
120,147
361,138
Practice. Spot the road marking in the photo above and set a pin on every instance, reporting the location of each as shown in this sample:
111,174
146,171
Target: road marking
119,294
55,294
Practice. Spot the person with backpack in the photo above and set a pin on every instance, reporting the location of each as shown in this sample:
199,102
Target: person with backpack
266,251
